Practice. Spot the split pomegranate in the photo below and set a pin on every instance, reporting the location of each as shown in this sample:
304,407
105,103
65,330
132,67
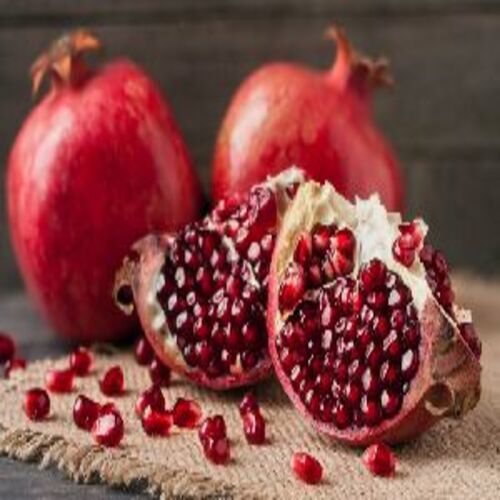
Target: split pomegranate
285,114
201,293
108,428
144,354
254,427
152,397
187,413
367,346
112,382
97,164
80,361
14,364
7,348
36,404
85,412
59,380
380,460
214,441
156,422
159,373
306,468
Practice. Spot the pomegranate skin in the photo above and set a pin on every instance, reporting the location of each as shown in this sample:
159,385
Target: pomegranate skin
98,163
286,114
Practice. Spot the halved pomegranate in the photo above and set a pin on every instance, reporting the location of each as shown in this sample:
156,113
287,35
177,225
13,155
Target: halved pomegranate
366,343
201,293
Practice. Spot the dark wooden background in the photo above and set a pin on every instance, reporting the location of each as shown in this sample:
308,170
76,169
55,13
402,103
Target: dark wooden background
443,116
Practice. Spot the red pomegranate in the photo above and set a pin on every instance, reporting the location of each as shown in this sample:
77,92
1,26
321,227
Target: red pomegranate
201,293
97,164
368,348
321,121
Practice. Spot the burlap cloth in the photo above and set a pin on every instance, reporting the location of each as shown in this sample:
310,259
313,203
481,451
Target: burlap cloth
453,460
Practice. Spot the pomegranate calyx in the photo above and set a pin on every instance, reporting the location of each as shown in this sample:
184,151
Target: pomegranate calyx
63,59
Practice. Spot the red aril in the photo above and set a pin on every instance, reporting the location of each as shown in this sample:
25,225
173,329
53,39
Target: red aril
80,361
254,427
152,397
112,382
249,403
143,352
156,422
160,374
212,427
36,404
102,162
187,413
374,349
306,468
59,380
214,441
14,364
285,114
7,348
85,412
108,428
201,293
380,460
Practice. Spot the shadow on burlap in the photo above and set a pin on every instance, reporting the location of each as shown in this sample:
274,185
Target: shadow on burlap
453,460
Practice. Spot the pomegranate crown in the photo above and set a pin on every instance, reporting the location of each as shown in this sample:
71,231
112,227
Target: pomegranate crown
63,58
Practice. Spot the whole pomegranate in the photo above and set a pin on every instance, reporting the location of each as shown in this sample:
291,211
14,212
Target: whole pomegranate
97,164
364,333
201,293
285,114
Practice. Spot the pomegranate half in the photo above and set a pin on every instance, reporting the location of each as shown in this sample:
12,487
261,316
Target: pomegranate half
98,163
201,293
368,348
286,114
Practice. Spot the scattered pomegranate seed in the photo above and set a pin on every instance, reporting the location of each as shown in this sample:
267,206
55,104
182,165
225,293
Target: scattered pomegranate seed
217,450
59,380
143,352
85,412
306,468
152,397
214,427
380,460
293,286
14,364
249,403
187,413
112,383
36,404
156,423
160,374
7,348
108,428
254,427
80,361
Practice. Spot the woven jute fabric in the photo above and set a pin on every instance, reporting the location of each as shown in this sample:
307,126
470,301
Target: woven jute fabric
456,459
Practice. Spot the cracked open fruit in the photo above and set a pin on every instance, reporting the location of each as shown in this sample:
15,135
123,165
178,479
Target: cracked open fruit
201,293
363,331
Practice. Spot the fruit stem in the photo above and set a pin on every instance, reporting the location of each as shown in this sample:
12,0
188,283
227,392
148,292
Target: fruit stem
63,60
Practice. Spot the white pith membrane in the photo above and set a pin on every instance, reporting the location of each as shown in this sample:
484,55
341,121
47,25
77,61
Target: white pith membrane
279,186
375,231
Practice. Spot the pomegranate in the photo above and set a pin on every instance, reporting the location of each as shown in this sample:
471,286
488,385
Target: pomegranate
285,114
380,460
306,468
36,404
97,164
369,348
201,293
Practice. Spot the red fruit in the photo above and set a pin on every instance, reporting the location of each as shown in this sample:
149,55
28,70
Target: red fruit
159,373
7,348
156,422
85,412
212,427
249,404
254,427
59,380
217,449
306,468
36,404
378,352
14,364
285,114
152,397
108,428
187,413
380,460
143,351
201,293
102,162
80,361
112,383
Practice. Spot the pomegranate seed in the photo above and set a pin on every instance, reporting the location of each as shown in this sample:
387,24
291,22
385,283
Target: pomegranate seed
217,449
214,427
249,404
405,256
112,383
80,361
108,428
345,242
152,397
292,287
36,404
143,352
160,374
187,413
59,380
303,249
380,460
306,468
372,275
254,427
320,239
7,348
156,422
85,412
14,364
